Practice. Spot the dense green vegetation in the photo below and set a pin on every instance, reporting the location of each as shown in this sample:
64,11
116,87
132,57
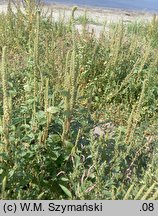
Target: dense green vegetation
57,86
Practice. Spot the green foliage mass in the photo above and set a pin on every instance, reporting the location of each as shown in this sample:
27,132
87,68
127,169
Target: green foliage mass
57,85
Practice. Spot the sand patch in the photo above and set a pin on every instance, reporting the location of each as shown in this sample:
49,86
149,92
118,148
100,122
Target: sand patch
96,16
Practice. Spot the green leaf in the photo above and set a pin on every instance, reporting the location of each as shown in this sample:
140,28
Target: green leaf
69,145
65,93
64,179
11,173
4,156
53,110
27,87
1,129
66,191
40,196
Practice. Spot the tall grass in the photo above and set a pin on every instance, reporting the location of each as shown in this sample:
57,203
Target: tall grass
57,85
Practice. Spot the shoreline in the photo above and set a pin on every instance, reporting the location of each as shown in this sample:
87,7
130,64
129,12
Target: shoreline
103,12
101,9
96,16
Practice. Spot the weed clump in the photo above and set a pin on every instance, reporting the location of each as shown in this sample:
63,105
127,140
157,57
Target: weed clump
59,89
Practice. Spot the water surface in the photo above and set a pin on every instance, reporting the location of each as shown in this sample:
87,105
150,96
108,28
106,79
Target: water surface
145,5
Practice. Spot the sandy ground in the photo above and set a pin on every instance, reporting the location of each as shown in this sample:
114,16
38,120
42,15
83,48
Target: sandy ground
97,16
100,16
